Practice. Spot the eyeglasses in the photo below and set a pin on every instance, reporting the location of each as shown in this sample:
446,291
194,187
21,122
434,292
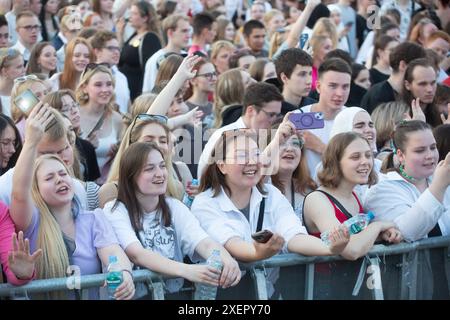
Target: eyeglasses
31,28
147,117
271,115
26,78
70,107
209,75
297,144
4,35
112,48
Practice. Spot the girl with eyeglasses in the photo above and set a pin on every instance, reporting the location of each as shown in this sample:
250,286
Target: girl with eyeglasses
235,203
100,123
11,67
42,60
157,231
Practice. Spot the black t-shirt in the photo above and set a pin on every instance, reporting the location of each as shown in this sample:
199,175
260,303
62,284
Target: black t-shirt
288,107
88,159
376,76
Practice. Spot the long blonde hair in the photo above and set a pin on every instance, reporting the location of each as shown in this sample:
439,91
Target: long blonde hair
174,189
55,259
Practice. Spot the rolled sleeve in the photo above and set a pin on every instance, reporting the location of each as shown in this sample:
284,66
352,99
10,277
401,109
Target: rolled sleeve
103,233
121,224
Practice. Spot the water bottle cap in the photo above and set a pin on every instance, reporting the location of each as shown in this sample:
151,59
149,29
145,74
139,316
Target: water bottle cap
112,259
194,182
370,215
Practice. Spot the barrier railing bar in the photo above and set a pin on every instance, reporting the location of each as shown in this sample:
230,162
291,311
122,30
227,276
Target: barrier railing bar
377,291
259,278
404,290
309,284
413,276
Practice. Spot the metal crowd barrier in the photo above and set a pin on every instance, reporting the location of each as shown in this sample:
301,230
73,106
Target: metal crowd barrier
298,274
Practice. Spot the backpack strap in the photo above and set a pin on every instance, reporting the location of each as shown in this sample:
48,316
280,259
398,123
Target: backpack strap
262,205
337,204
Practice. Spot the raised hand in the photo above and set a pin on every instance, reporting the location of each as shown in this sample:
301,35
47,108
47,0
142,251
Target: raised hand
20,261
417,112
186,68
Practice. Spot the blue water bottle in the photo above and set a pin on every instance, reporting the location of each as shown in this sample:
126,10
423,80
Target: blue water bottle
187,199
114,277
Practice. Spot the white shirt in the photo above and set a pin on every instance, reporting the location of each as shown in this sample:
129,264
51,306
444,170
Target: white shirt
173,242
6,182
209,147
223,221
395,199
54,80
21,48
60,58
313,158
366,47
122,90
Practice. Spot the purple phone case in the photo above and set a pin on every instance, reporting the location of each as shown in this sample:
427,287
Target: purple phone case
307,120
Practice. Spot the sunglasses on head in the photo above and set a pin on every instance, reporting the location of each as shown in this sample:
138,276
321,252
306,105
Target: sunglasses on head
147,117
92,66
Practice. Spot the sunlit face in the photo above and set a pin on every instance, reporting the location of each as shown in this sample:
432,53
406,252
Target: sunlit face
256,39
276,22
136,20
363,79
47,59
290,154
325,47
55,184
420,156
177,107
7,145
4,36
60,147
28,29
423,85
155,133
245,62
15,69
242,166
100,88
334,88
264,118
152,181
363,124
257,12
357,162
222,59
335,16
71,109
97,22
39,90
81,57
106,5
206,78
440,46
230,32
269,71
300,81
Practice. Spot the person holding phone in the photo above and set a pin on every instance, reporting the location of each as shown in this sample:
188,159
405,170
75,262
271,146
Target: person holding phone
234,203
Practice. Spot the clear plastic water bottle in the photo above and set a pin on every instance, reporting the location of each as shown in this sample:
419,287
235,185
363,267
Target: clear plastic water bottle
354,225
114,277
187,199
206,291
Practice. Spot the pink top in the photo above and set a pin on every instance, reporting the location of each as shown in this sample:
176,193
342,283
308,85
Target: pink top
6,230
195,47
314,78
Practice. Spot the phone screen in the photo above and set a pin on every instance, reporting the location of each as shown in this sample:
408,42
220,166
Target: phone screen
26,101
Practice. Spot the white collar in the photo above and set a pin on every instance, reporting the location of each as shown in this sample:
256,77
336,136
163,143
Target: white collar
395,176
20,47
62,37
226,204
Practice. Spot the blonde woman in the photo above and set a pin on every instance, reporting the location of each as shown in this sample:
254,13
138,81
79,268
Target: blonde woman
67,234
100,124
11,67
221,52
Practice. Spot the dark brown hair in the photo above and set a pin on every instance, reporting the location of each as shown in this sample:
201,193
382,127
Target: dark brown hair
442,135
131,165
33,66
331,174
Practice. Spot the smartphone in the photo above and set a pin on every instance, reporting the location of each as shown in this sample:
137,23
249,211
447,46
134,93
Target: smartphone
307,120
262,236
26,101
302,41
